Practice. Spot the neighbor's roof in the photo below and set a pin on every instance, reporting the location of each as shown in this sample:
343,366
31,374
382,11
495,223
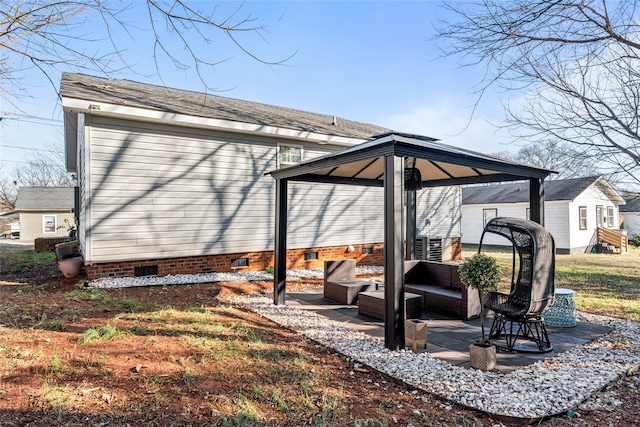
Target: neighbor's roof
633,205
159,98
555,190
45,199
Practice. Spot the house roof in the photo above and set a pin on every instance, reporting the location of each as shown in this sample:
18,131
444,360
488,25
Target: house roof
125,93
439,164
518,192
633,204
45,199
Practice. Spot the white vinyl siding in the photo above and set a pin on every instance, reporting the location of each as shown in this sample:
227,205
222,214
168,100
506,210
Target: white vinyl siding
590,198
438,212
631,222
562,219
473,221
160,191
83,182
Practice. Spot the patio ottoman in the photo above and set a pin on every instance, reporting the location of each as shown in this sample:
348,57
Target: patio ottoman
346,292
372,304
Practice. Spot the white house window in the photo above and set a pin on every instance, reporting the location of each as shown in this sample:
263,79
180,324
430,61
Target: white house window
49,223
582,214
488,215
610,216
289,155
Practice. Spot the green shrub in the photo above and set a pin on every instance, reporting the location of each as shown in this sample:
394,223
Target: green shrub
480,272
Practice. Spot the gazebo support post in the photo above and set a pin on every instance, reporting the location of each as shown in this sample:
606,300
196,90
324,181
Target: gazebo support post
411,225
393,254
536,200
280,248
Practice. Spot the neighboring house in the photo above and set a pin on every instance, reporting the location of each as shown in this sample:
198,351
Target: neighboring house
42,211
574,210
172,181
631,215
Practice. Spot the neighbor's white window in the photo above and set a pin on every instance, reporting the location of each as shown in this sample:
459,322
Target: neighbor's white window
488,215
289,155
49,223
582,214
610,216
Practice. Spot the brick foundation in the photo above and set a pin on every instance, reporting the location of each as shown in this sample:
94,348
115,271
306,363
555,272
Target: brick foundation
222,263
258,261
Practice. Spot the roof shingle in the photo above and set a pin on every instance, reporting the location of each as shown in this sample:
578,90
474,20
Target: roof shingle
566,189
142,95
45,199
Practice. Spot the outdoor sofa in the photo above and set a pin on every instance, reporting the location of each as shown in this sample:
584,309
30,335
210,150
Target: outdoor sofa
439,285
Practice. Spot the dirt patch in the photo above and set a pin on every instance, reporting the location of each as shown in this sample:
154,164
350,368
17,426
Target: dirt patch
176,355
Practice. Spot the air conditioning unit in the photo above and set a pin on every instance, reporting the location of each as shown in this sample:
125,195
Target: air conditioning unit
434,248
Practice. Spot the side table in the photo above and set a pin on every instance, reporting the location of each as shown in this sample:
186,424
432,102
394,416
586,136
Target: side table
563,311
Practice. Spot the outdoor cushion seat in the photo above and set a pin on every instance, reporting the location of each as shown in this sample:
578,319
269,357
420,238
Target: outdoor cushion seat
518,314
439,285
347,292
340,284
372,304
434,289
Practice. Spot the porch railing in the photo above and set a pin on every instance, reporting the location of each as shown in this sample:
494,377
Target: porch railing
613,238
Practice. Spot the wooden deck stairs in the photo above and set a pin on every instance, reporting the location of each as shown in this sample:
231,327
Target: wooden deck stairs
611,241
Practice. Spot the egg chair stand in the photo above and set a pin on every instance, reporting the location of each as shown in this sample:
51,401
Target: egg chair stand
518,314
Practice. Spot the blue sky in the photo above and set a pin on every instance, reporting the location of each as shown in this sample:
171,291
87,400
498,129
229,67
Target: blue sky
369,61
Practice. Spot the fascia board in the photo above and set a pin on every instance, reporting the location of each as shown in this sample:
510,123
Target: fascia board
164,117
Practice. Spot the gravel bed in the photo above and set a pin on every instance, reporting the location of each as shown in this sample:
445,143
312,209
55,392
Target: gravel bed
185,279
553,386
550,387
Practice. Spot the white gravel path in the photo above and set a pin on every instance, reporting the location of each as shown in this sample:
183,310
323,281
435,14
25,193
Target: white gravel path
553,386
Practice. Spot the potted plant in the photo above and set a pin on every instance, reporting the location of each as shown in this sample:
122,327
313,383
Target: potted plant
71,229
482,273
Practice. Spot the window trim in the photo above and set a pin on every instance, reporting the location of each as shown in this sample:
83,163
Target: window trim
600,215
55,224
582,215
279,161
609,218
484,215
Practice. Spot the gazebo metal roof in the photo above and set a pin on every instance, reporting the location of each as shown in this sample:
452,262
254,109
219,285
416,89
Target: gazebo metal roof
381,162
439,164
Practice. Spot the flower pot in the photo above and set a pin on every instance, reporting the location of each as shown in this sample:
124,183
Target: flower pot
71,265
482,357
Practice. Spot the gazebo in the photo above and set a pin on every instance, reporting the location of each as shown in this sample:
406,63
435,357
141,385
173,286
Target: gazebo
397,162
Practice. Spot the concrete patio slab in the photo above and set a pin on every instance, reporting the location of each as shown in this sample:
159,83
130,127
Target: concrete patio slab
447,339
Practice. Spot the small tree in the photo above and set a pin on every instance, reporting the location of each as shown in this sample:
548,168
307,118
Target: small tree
482,273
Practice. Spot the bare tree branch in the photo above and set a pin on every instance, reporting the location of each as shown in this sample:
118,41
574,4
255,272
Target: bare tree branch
55,35
578,62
